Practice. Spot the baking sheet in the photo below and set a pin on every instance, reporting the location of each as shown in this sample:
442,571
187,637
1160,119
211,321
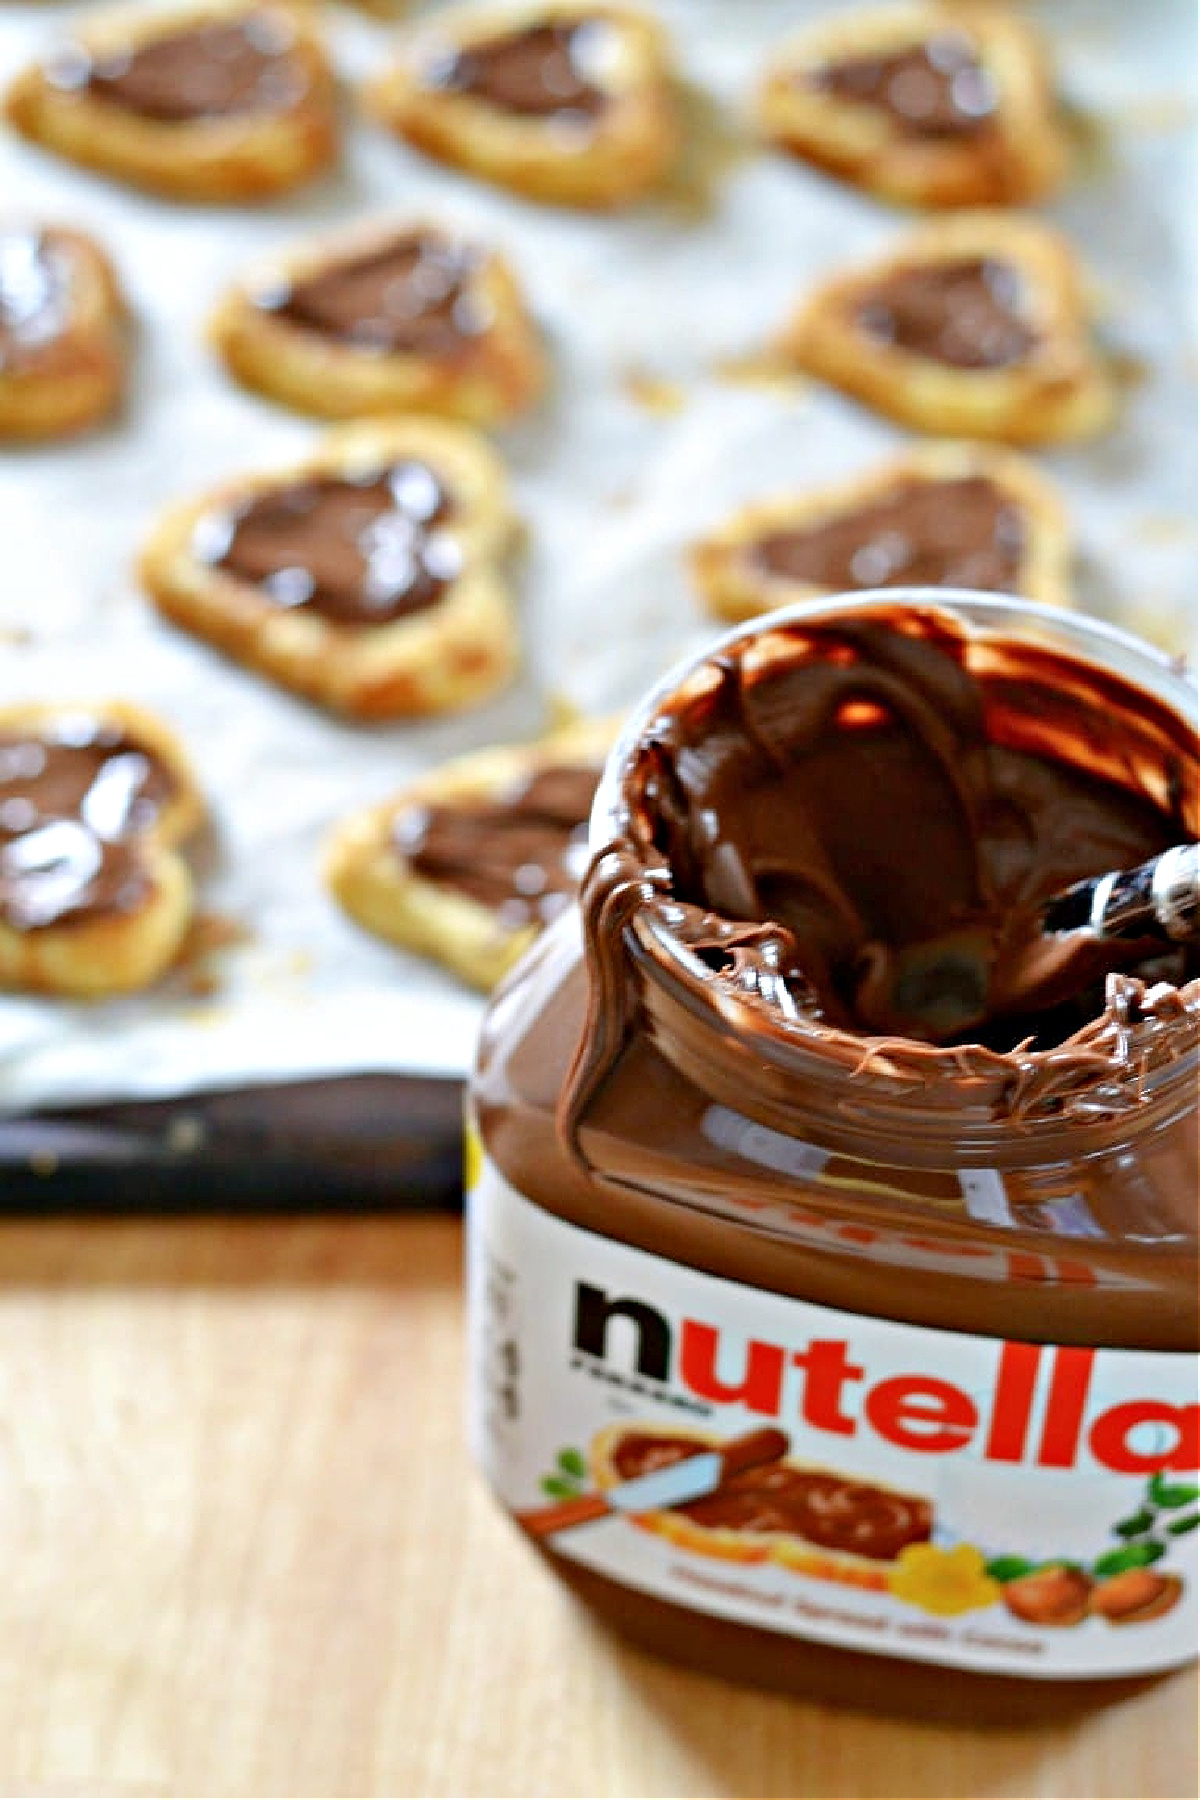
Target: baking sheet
641,445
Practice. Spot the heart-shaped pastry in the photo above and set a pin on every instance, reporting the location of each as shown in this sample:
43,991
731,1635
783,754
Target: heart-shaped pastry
224,100
385,318
94,799
63,348
566,101
947,515
973,327
367,578
926,103
471,862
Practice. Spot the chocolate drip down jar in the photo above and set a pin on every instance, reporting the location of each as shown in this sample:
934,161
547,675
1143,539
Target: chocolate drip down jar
833,1227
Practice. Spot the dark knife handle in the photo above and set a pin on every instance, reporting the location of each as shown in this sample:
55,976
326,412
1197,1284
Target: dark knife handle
361,1142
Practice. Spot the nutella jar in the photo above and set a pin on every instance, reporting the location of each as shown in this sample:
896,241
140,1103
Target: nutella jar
833,1227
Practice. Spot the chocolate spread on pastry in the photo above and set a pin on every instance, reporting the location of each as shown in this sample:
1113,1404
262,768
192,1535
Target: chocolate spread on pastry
411,295
35,294
938,89
824,1509
520,855
538,72
360,550
74,794
924,533
209,70
855,831
966,314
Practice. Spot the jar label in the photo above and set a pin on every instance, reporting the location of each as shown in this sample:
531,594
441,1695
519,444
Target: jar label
1029,1509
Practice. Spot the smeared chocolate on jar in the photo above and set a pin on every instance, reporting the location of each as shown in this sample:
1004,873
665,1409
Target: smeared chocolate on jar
816,1505
75,795
938,89
521,855
540,72
966,314
414,294
961,533
854,827
213,70
358,550
35,294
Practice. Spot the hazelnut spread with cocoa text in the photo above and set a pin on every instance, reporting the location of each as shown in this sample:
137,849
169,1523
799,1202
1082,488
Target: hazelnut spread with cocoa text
35,294
358,550
938,89
961,533
209,70
803,1121
539,72
413,295
520,855
74,795
965,314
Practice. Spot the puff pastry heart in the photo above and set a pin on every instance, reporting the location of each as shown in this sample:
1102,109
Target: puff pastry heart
63,338
926,103
94,799
366,578
566,101
975,326
226,100
385,318
946,515
468,864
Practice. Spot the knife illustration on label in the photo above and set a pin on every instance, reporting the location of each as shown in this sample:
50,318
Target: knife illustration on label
688,1479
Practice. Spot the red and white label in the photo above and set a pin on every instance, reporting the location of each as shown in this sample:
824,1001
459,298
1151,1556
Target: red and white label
1049,1493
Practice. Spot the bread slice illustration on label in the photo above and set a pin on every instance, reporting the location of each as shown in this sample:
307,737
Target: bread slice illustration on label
927,104
976,326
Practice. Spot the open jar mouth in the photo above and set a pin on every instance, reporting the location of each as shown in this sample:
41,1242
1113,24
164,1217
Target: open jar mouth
1133,1057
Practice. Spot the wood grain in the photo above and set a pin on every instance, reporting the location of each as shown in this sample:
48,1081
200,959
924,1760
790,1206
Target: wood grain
243,1554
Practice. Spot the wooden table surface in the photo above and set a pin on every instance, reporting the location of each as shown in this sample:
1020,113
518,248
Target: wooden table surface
243,1554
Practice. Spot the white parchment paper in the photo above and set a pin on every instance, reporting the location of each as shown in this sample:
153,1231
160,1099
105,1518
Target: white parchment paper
612,488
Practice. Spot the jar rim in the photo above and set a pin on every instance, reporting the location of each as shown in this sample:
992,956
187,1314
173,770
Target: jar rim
981,616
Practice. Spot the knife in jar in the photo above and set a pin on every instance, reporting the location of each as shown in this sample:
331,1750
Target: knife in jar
689,1479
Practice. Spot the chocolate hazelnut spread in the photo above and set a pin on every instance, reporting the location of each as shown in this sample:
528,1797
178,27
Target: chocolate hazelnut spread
359,550
783,798
960,533
520,855
539,72
938,89
967,314
74,795
35,294
205,71
784,1126
412,295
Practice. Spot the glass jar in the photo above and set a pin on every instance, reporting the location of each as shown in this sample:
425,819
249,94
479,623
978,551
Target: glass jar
816,1357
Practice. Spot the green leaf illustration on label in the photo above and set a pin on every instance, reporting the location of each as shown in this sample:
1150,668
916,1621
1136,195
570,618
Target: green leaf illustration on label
1132,1556
559,1489
1170,1494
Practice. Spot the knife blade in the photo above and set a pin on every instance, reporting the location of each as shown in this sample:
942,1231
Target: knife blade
689,1479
